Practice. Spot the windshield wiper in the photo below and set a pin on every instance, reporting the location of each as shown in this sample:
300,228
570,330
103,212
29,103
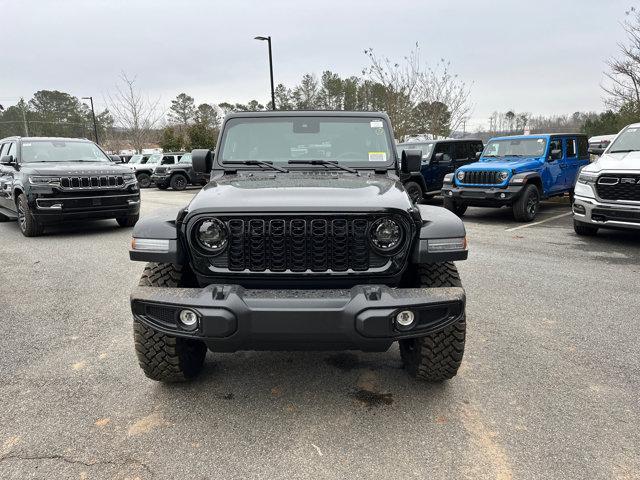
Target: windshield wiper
260,163
623,151
325,163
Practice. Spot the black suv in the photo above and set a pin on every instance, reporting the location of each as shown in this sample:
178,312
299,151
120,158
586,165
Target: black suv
49,180
439,157
178,176
305,239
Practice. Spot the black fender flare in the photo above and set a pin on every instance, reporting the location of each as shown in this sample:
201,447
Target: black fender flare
159,227
438,223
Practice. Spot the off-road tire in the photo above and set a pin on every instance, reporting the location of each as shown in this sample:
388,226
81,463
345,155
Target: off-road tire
179,181
29,225
584,229
453,206
144,180
414,190
128,221
525,208
436,357
162,357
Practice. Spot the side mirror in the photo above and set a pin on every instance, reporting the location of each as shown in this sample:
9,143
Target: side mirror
7,160
596,151
411,161
555,155
478,155
202,160
116,159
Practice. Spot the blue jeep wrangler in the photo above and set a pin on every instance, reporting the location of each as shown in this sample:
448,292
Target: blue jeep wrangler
439,157
518,172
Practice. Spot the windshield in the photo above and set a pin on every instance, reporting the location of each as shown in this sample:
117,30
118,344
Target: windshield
426,148
530,147
186,158
61,151
137,159
155,158
627,141
279,140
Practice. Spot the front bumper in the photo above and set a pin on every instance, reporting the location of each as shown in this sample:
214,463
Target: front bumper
49,209
606,215
482,196
232,318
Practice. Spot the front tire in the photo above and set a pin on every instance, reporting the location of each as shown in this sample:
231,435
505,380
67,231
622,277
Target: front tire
162,357
29,225
584,229
451,205
414,190
436,357
179,182
144,180
526,206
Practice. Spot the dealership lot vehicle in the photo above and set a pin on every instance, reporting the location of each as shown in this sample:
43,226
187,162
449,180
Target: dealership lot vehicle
44,181
518,172
607,193
598,144
439,157
144,169
178,176
289,249
74,403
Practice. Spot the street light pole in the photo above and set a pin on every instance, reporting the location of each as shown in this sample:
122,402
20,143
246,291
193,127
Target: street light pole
273,96
93,114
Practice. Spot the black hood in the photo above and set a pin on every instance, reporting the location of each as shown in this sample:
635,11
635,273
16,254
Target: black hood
74,168
301,191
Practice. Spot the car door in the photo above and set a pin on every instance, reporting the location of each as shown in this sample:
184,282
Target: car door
438,169
570,164
461,154
553,172
7,176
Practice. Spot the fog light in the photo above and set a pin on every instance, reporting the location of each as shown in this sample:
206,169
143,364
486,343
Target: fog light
450,193
579,209
502,195
189,319
405,318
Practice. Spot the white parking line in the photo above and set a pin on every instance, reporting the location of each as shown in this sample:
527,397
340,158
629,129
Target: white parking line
538,223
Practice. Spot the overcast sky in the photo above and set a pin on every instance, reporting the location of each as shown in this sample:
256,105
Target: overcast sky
542,56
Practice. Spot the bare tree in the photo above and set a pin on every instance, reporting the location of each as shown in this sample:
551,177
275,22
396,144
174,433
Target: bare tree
623,78
138,115
410,83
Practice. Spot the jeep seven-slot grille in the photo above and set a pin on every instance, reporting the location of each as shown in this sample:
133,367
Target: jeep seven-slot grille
481,177
619,187
101,181
299,244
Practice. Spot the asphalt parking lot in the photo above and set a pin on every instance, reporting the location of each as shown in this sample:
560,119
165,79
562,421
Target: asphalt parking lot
549,388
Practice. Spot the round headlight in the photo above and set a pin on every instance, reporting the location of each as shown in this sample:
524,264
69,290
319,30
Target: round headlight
503,175
386,234
460,176
212,235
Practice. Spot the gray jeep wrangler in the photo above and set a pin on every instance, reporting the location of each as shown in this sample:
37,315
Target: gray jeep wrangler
304,239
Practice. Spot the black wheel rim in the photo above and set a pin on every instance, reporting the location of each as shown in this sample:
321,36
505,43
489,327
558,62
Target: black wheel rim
144,181
22,217
532,205
180,183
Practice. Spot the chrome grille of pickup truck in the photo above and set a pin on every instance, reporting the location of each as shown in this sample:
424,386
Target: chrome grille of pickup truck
619,187
92,182
299,244
481,177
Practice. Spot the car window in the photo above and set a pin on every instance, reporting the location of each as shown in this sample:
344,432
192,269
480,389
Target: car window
167,159
460,151
583,147
12,149
571,147
444,147
2,148
555,144
476,147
